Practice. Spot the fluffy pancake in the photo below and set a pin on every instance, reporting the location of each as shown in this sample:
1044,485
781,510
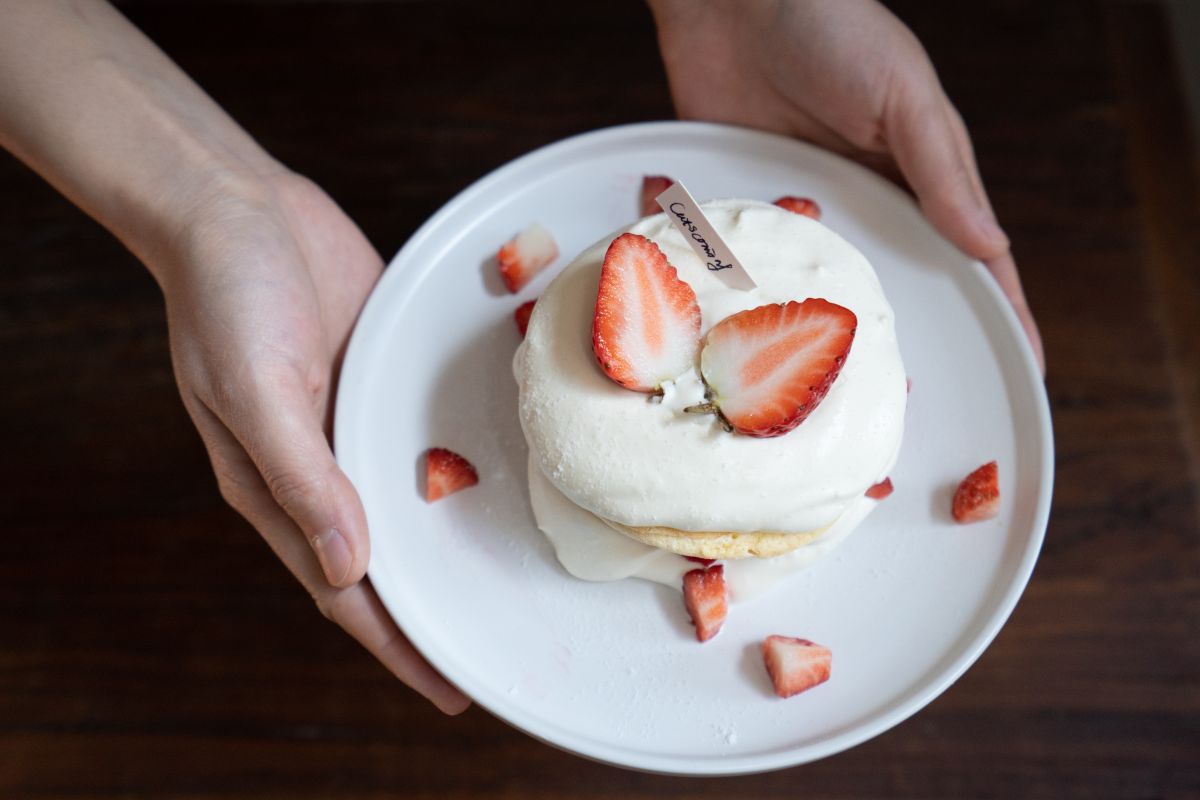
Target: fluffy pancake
718,545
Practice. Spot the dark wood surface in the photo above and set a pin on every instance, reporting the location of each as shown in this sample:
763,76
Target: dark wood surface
151,645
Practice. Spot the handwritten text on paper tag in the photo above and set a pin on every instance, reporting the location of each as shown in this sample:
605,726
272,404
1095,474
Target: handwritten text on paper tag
683,210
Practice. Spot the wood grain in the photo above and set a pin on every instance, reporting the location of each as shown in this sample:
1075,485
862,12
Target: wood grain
1165,172
152,647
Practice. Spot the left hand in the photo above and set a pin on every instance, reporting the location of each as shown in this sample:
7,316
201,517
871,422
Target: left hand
850,77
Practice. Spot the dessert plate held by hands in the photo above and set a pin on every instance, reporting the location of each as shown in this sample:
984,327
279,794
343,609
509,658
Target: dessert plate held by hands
613,671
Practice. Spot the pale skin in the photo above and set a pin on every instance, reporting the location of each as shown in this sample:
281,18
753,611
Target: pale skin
850,77
263,275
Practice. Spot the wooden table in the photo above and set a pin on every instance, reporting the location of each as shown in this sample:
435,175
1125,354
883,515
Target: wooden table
151,645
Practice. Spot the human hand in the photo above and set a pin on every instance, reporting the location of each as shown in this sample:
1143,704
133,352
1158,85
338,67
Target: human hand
262,273
262,293
850,77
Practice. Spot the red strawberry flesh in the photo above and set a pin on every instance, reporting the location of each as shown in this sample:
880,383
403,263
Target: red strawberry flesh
646,327
880,490
768,368
522,314
978,496
446,472
804,206
525,255
652,187
795,665
704,595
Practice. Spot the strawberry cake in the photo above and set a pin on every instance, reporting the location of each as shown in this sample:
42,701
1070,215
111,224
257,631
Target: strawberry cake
670,417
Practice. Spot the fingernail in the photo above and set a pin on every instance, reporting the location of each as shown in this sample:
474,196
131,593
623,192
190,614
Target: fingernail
987,226
334,554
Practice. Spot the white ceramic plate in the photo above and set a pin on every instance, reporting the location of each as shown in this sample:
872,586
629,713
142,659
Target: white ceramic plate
612,671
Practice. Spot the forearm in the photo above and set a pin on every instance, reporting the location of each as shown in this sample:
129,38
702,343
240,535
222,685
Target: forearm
93,106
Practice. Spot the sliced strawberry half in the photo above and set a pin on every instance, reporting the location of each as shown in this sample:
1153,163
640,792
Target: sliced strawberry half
880,490
707,562
978,496
652,187
521,316
446,472
525,255
767,368
804,206
646,327
795,665
704,596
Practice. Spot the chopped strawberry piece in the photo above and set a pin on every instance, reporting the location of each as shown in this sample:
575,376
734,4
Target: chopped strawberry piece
704,596
795,665
521,316
803,206
978,496
652,187
880,490
767,368
446,472
525,255
646,328
708,562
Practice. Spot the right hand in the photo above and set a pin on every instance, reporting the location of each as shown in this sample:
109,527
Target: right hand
262,273
263,291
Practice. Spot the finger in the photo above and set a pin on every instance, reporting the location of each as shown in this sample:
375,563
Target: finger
922,137
1004,270
356,609
276,421
1002,267
966,151
934,152
359,611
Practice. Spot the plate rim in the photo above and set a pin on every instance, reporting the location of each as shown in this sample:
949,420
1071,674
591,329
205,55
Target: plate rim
353,374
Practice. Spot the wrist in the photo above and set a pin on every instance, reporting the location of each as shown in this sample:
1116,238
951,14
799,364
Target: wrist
100,112
164,218
175,156
215,224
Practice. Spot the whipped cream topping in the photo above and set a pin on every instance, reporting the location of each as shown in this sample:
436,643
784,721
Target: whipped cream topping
641,461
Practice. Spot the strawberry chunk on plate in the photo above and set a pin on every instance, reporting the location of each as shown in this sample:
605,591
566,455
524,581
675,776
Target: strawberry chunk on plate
880,490
978,496
768,368
704,595
804,206
795,665
446,472
522,314
525,255
646,327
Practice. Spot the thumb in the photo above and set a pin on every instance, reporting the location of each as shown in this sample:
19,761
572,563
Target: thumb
933,151
937,162
281,431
